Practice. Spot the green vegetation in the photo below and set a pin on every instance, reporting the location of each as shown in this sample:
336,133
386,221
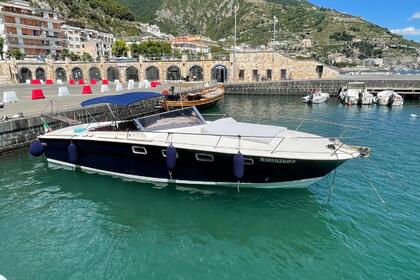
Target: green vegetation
119,48
16,54
341,36
329,31
86,57
344,64
151,48
106,15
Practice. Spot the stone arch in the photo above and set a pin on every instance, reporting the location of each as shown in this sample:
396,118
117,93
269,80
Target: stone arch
219,73
132,74
94,74
173,73
40,74
25,74
152,73
196,73
77,74
60,74
112,74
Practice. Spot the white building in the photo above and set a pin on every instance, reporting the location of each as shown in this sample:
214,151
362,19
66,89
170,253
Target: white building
94,42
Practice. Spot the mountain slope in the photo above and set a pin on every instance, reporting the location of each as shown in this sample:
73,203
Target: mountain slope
106,15
329,31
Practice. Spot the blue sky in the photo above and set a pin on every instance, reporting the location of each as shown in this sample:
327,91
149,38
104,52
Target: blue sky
400,16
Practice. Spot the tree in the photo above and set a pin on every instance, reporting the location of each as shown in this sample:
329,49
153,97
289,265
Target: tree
119,48
16,54
151,48
1,47
86,57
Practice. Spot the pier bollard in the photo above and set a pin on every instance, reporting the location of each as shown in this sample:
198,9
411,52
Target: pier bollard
49,82
37,94
130,84
87,89
72,82
10,97
118,86
63,91
59,82
104,89
93,82
81,82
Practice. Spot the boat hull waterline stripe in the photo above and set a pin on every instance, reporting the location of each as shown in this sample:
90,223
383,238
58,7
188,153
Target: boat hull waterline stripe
286,185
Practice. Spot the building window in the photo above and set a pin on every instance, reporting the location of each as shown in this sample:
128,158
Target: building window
269,75
255,75
283,74
241,75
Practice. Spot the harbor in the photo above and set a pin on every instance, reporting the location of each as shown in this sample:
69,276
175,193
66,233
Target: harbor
97,220
209,139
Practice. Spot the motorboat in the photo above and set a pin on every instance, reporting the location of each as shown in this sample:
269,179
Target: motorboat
316,97
356,93
389,98
181,147
202,99
382,98
396,100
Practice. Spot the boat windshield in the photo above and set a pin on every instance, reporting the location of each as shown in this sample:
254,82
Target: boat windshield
173,119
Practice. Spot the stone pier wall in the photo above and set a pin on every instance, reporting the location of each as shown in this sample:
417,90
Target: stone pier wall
333,86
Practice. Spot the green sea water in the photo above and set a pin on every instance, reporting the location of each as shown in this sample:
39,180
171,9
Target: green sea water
60,224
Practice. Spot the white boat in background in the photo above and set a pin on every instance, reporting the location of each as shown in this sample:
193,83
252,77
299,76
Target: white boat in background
382,98
396,100
356,93
389,98
316,97
366,98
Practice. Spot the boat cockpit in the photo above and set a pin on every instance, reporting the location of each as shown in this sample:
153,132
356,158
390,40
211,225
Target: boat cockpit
185,117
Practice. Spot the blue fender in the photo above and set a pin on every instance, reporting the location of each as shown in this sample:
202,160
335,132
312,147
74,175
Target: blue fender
171,157
36,148
72,153
238,165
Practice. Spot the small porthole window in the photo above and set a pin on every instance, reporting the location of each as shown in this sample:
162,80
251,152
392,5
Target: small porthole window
139,150
204,157
248,161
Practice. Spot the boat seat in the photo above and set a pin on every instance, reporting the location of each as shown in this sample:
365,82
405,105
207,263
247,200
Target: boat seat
248,131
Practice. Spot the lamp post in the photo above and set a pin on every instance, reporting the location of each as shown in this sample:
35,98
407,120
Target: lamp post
234,46
275,21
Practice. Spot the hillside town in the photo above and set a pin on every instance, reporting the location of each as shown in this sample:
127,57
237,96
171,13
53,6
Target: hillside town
31,33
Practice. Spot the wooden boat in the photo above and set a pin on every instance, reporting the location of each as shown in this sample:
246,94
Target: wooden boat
203,99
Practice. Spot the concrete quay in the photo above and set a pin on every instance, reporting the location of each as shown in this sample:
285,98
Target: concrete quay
407,85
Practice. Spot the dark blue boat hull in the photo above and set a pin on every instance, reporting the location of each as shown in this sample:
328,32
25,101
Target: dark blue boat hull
119,158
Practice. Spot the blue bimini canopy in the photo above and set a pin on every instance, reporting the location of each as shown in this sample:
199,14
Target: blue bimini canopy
122,99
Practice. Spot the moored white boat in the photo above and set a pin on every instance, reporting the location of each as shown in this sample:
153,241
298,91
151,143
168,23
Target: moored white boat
316,97
389,98
396,100
356,93
181,147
